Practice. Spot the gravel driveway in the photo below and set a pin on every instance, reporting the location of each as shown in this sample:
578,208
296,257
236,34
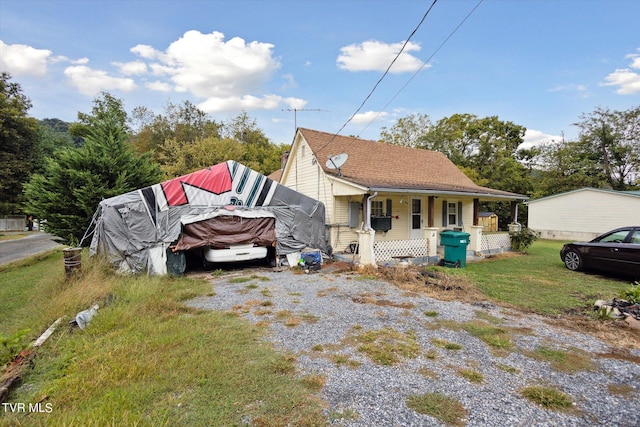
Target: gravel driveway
321,319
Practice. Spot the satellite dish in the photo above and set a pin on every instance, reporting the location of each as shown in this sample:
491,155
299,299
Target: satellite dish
336,162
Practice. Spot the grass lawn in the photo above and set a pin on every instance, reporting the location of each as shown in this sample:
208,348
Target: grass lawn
538,281
147,359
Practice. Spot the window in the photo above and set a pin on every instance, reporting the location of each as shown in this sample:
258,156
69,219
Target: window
616,237
416,214
452,213
377,208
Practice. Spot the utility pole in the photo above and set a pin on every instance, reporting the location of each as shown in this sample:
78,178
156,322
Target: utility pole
295,114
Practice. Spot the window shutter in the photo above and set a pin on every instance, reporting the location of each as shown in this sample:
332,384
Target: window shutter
460,213
388,207
444,213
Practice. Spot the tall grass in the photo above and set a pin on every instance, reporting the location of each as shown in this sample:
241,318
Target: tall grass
148,359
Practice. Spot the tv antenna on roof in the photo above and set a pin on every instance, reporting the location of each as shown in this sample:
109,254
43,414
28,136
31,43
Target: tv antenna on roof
295,114
337,161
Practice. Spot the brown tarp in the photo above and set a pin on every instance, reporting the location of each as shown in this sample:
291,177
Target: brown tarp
226,230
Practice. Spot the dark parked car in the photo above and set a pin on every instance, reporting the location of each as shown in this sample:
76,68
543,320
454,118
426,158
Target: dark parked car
616,252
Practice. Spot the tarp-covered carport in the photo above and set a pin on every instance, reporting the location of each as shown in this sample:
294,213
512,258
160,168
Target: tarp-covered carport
228,203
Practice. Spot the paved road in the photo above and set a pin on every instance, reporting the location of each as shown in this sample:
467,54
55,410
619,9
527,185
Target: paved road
13,250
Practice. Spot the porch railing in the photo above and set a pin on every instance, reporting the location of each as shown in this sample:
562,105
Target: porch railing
495,243
387,249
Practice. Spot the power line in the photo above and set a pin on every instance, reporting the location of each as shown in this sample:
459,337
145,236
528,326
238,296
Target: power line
423,65
383,75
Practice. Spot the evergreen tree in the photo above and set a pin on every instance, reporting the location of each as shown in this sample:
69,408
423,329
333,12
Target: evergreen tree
75,180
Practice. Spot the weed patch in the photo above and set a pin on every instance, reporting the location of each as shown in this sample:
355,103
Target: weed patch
493,336
507,368
488,318
242,279
344,360
444,408
548,397
314,382
428,373
471,374
621,390
572,360
343,414
386,346
447,345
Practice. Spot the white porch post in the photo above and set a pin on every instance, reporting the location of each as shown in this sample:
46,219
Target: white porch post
365,247
431,234
475,243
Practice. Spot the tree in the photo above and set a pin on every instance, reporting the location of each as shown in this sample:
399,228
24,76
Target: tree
614,139
187,158
605,155
485,149
238,139
408,131
454,137
565,166
75,180
184,123
105,107
18,138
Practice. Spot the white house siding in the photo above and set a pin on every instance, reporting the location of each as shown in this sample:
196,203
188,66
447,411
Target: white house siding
340,232
583,214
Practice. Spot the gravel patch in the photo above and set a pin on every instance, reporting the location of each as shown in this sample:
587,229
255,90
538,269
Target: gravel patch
325,310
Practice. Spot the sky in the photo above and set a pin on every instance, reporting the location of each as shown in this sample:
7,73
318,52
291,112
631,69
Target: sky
321,64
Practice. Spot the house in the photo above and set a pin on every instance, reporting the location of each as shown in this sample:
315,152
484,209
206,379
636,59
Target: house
387,200
225,204
584,213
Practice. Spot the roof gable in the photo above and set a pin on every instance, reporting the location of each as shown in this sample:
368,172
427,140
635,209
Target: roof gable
379,165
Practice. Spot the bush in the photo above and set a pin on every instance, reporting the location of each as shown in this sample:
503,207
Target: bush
521,240
632,294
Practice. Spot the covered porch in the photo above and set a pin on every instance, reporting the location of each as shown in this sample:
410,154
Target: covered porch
422,244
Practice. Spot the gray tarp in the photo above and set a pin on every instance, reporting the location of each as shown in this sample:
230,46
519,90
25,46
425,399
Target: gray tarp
134,229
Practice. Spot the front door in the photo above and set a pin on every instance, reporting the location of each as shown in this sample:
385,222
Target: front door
416,219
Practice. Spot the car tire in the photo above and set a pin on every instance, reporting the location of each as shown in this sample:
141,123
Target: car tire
573,260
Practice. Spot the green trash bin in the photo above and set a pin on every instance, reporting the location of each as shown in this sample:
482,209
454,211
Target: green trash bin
455,248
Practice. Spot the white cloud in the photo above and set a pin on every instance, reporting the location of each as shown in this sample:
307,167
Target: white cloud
627,81
246,102
368,117
581,90
131,68
534,137
635,59
295,103
22,60
145,51
91,82
229,74
207,66
289,81
376,56
159,86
